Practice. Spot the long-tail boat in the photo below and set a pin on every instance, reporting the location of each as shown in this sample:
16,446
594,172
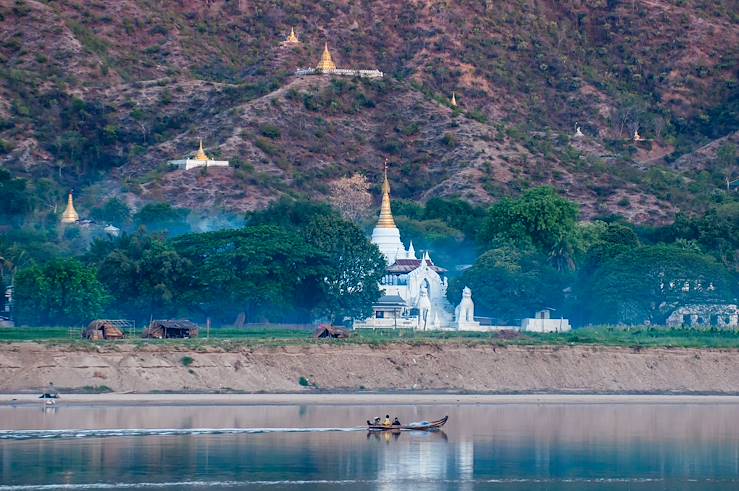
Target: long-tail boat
419,426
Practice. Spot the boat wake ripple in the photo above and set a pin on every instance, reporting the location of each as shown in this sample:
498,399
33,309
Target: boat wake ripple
108,432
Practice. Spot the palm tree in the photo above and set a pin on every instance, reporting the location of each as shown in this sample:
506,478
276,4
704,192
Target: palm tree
562,254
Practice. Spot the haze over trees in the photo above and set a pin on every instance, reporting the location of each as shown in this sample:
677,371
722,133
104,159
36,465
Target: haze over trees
301,261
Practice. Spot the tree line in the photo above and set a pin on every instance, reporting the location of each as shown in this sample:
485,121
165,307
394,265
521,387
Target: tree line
294,262
299,261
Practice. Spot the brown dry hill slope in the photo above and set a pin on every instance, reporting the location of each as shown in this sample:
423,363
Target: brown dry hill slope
111,89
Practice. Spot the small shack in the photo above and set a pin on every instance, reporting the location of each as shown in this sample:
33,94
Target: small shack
171,329
106,329
325,331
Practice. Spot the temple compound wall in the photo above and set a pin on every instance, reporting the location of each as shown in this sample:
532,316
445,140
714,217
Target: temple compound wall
705,315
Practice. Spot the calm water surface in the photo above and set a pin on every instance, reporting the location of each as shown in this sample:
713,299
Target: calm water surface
506,447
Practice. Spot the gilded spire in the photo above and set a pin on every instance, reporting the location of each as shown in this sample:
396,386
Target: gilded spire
453,102
201,153
292,38
70,214
327,63
386,213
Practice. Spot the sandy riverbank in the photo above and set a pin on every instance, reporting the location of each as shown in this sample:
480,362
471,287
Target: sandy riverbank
364,399
28,367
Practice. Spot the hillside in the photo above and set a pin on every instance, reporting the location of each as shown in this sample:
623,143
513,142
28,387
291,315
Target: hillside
98,95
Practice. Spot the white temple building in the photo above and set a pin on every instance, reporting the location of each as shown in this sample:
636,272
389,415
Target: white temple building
199,160
542,322
414,289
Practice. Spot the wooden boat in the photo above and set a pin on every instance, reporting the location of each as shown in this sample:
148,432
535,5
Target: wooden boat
421,426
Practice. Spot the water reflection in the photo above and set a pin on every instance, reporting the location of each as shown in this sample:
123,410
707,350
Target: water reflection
512,446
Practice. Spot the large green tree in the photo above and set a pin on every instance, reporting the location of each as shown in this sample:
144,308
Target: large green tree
349,283
145,275
113,211
540,216
717,231
61,292
265,271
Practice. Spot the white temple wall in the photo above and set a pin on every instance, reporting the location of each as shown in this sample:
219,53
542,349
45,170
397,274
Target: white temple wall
545,325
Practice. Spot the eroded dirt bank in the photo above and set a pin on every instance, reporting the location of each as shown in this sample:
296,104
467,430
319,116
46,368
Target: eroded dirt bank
125,368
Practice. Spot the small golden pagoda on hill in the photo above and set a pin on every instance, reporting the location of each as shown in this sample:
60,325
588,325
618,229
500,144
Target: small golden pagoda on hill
327,63
453,102
292,38
201,153
70,215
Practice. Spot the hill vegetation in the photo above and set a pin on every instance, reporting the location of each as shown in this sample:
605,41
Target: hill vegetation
96,96
300,262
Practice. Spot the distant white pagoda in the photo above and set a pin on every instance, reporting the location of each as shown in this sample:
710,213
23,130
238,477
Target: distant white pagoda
200,160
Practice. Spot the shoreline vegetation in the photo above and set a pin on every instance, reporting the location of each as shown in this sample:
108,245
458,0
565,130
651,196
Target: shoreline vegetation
616,336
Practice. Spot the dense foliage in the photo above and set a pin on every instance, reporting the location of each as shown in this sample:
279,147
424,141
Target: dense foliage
534,254
294,262
299,261
61,292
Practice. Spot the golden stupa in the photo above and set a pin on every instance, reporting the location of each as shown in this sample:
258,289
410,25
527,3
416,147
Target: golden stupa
70,214
292,38
453,102
386,213
201,153
327,63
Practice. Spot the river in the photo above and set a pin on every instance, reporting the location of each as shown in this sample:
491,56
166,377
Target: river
323,447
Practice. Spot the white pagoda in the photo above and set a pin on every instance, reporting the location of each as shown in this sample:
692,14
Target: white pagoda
414,290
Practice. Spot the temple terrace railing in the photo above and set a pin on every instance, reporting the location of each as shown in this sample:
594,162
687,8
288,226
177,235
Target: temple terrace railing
387,323
344,72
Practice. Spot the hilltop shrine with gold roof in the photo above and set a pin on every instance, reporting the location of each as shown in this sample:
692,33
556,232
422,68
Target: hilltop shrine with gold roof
327,66
199,160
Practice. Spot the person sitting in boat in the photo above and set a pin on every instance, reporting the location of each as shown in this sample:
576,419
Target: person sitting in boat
375,421
387,421
396,421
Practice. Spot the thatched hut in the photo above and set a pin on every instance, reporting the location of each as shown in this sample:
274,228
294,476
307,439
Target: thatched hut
105,329
171,329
